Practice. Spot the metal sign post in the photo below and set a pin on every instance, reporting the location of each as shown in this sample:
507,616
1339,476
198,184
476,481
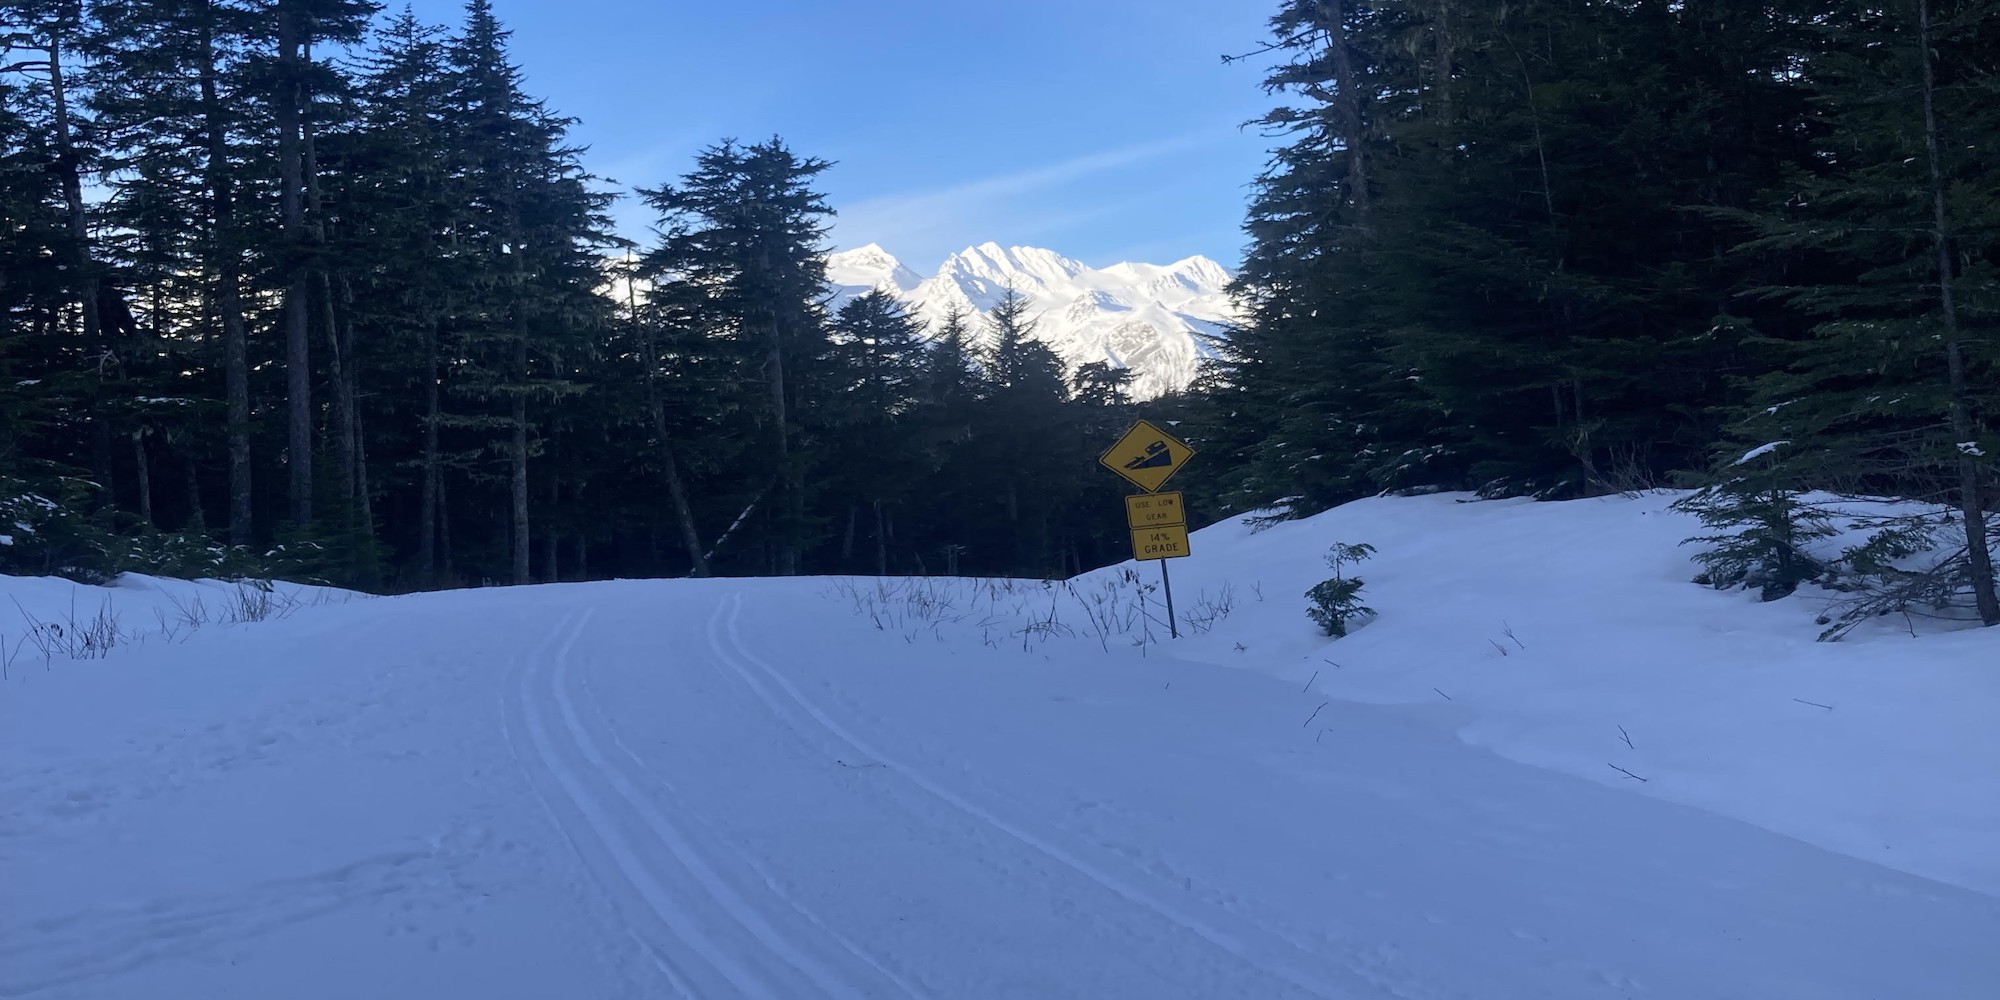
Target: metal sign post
1147,457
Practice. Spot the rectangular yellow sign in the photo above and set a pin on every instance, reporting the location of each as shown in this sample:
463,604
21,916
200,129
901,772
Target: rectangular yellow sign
1154,510
1169,542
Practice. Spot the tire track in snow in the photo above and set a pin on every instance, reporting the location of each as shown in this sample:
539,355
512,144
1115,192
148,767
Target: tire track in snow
725,628
637,848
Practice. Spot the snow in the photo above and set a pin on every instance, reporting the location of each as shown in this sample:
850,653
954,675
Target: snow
1149,318
1606,631
961,789
1971,448
1759,452
44,619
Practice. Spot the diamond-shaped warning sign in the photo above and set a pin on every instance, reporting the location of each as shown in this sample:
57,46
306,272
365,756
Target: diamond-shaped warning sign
1147,456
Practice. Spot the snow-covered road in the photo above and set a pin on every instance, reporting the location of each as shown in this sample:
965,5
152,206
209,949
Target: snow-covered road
739,789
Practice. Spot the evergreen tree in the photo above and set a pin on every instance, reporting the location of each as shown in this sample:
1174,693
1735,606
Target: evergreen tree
867,420
1895,252
951,377
1488,257
1097,383
538,225
398,212
174,85
742,235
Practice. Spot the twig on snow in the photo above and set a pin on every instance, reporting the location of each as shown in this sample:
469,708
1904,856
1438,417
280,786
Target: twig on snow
1309,684
1315,715
1814,704
1627,737
1626,773
1446,697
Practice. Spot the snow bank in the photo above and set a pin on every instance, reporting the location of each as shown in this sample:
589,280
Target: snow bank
735,788
45,619
1567,635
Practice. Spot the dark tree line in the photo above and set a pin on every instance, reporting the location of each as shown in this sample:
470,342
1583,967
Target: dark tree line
292,286
1557,249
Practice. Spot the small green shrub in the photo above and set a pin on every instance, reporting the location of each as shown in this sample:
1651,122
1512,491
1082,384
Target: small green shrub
1759,538
1337,602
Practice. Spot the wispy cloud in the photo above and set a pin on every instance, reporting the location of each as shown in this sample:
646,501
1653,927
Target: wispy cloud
946,217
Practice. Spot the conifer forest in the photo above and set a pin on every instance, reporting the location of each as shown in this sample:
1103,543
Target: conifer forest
317,290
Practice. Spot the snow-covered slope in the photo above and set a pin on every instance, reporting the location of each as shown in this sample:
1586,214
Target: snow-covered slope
1145,317
932,788
1568,636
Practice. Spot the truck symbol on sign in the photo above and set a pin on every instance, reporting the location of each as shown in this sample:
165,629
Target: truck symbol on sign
1156,456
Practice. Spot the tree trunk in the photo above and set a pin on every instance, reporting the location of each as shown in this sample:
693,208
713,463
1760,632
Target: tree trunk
1971,501
70,167
197,520
551,568
291,202
676,490
518,455
364,503
1347,103
339,362
343,412
881,540
444,532
847,537
100,454
1445,55
427,519
222,263
145,477
793,510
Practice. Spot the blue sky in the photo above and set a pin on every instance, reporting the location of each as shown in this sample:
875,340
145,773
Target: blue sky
1106,130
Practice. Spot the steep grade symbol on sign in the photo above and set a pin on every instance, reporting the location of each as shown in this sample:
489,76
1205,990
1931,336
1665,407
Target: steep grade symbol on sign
1157,455
1147,456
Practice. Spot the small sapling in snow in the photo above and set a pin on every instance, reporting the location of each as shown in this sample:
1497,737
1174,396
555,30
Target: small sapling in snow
1337,602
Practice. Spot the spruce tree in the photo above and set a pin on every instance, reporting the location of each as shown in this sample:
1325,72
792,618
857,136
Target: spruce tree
742,234
1895,256
538,226
867,421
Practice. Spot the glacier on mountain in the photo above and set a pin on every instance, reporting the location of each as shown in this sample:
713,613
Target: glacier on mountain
1149,318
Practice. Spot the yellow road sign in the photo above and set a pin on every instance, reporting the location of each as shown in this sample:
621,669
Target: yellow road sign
1169,542
1147,456
1154,510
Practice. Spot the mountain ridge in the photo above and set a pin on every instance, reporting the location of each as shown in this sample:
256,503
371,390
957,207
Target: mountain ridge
1148,318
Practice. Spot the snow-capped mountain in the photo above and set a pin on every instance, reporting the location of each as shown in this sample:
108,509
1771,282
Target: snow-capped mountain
1144,317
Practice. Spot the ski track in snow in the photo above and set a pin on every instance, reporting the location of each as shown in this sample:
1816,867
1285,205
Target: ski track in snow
750,796
643,842
737,855
753,957
739,658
